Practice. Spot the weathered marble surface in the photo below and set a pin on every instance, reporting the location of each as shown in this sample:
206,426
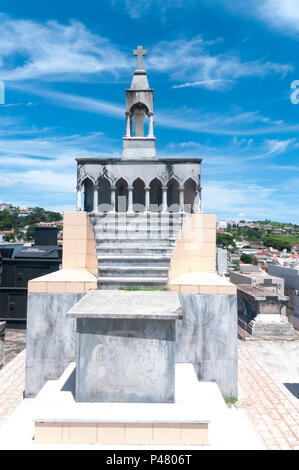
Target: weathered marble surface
261,312
127,304
221,261
207,337
125,360
291,278
50,338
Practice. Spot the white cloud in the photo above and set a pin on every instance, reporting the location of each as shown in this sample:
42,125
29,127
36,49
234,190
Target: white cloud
50,151
41,167
236,122
257,201
278,14
70,52
236,157
153,7
282,14
215,83
203,67
52,50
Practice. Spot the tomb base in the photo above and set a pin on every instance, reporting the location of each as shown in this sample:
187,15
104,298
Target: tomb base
62,420
199,417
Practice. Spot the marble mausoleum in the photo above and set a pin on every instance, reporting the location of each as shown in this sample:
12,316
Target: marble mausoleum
139,222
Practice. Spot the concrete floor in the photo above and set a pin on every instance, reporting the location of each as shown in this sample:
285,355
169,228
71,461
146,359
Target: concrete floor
282,359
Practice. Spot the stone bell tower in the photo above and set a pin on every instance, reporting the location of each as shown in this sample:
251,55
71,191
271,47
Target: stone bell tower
139,143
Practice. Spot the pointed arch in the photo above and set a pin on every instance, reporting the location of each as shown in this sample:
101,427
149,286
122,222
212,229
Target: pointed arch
121,194
104,194
189,194
138,195
155,195
173,202
88,186
90,178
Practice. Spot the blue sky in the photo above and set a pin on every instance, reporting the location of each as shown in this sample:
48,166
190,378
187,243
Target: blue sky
222,73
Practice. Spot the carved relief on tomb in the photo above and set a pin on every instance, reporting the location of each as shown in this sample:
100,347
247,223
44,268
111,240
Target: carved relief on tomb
132,367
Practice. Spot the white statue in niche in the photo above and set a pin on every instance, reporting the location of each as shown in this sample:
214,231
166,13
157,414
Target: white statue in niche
139,115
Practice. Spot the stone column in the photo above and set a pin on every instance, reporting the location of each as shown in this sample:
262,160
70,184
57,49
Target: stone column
112,199
95,198
128,124
197,205
151,125
79,198
182,199
164,199
147,199
130,199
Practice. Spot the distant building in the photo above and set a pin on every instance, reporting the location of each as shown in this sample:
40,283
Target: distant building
21,263
49,224
26,210
244,224
5,232
291,279
232,223
221,224
4,206
250,274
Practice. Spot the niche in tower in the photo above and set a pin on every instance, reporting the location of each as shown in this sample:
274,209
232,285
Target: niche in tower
140,119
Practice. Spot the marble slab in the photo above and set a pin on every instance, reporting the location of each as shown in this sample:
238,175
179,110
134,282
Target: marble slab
125,348
158,305
125,360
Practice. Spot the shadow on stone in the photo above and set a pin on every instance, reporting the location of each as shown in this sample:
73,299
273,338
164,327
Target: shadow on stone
293,388
69,385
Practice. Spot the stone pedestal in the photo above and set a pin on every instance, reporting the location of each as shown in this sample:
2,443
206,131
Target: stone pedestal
126,346
221,261
139,147
261,312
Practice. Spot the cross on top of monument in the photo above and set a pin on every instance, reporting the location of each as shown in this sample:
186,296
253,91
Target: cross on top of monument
139,52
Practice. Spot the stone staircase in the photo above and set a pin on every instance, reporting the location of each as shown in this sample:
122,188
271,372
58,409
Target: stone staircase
135,249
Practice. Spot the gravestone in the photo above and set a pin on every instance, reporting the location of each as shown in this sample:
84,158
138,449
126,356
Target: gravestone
126,346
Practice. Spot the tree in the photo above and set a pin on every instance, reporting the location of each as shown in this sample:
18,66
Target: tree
225,240
30,233
277,243
247,259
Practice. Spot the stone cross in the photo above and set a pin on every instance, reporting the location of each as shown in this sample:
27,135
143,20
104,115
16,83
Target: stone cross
140,52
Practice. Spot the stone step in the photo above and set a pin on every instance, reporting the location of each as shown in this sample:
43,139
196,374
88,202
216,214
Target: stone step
130,250
161,231
138,242
135,250
138,225
139,222
138,245
134,260
117,282
133,271
139,216
148,236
